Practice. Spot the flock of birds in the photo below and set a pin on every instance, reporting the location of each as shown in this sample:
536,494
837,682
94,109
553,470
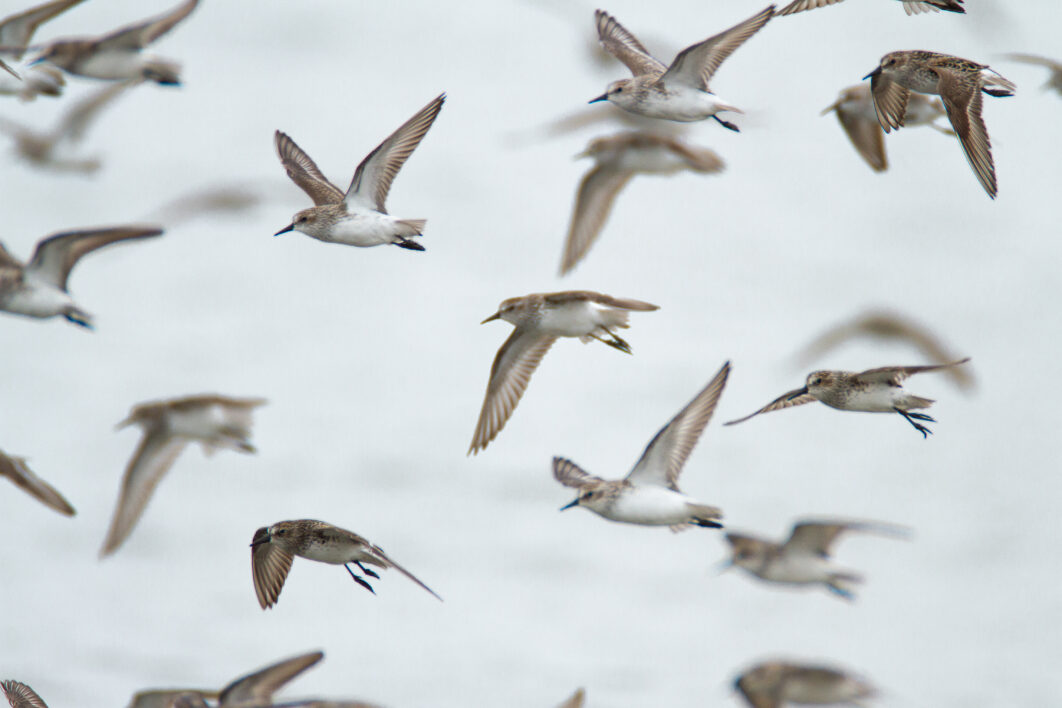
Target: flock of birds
649,494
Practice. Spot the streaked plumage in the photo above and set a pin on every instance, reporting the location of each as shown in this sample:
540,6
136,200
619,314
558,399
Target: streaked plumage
649,494
215,422
273,549
678,92
871,391
911,7
19,695
959,83
773,684
38,288
541,318
618,158
359,217
16,470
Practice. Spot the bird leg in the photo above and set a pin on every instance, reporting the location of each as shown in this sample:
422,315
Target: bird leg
912,417
358,579
411,245
368,571
615,342
726,124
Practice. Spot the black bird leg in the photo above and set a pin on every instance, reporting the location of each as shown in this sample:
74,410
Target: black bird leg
726,124
615,342
368,571
358,579
912,417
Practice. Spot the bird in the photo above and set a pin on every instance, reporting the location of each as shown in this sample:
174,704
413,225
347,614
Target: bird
678,92
890,326
16,31
38,289
1054,79
19,695
212,420
871,391
39,148
259,686
117,56
804,558
16,470
649,494
273,548
773,684
34,81
539,319
855,113
359,217
959,83
618,158
911,7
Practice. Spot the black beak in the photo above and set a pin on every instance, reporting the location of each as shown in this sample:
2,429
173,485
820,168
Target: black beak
602,97
876,72
495,316
801,392
289,227
575,502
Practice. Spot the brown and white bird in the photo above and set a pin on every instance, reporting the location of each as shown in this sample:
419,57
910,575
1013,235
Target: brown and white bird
19,695
774,684
1054,78
871,391
16,31
16,470
959,83
273,549
214,421
911,7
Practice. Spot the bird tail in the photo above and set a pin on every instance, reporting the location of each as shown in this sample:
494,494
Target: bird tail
911,401
995,85
411,227
162,72
709,517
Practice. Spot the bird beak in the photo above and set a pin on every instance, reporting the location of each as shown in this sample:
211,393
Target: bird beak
876,72
602,97
289,227
575,502
495,316
37,61
801,392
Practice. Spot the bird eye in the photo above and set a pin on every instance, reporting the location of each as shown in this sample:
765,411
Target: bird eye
619,90
281,532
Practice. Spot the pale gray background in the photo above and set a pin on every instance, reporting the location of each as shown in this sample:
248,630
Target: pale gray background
375,367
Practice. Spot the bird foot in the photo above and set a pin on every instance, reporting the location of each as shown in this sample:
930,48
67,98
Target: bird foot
411,245
727,124
912,417
360,580
368,571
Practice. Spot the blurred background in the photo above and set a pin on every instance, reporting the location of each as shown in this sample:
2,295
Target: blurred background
375,367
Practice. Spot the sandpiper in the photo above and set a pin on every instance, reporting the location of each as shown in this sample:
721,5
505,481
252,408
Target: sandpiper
1054,80
211,420
359,217
117,56
15,34
540,319
870,391
888,325
959,83
273,548
804,558
39,149
678,92
649,494
911,7
618,158
16,470
19,695
773,684
38,289
855,112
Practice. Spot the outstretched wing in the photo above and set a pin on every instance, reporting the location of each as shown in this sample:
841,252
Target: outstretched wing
593,202
623,45
144,33
796,397
963,104
572,475
269,568
17,30
15,469
894,375
260,686
695,65
304,173
890,101
56,255
801,5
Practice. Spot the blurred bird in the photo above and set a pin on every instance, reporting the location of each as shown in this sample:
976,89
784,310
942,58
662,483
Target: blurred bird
1054,79
773,684
16,470
576,701
32,82
911,7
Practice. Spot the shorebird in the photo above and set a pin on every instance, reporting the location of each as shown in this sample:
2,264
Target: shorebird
773,684
16,31
211,420
16,470
649,494
359,217
1054,79
804,558
889,326
618,158
959,83
871,391
911,7
117,56
273,548
678,92
855,113
19,695
38,289
540,319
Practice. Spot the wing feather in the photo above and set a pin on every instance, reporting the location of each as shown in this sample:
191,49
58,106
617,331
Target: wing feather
796,397
895,375
15,469
141,34
303,172
623,45
269,568
695,65
593,203
572,475
259,687
55,256
963,104
890,102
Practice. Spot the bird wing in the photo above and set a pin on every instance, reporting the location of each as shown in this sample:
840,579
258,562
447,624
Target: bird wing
15,469
576,700
304,173
372,180
801,5
866,137
962,101
153,458
572,475
269,567
665,456
1037,60
623,45
56,255
10,270
143,33
796,397
78,118
260,686
890,101
695,65
513,366
593,202
19,695
17,30
894,375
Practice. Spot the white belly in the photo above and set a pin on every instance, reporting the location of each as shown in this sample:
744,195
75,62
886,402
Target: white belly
881,399
573,320
650,506
112,65
681,104
364,229
799,570
39,301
